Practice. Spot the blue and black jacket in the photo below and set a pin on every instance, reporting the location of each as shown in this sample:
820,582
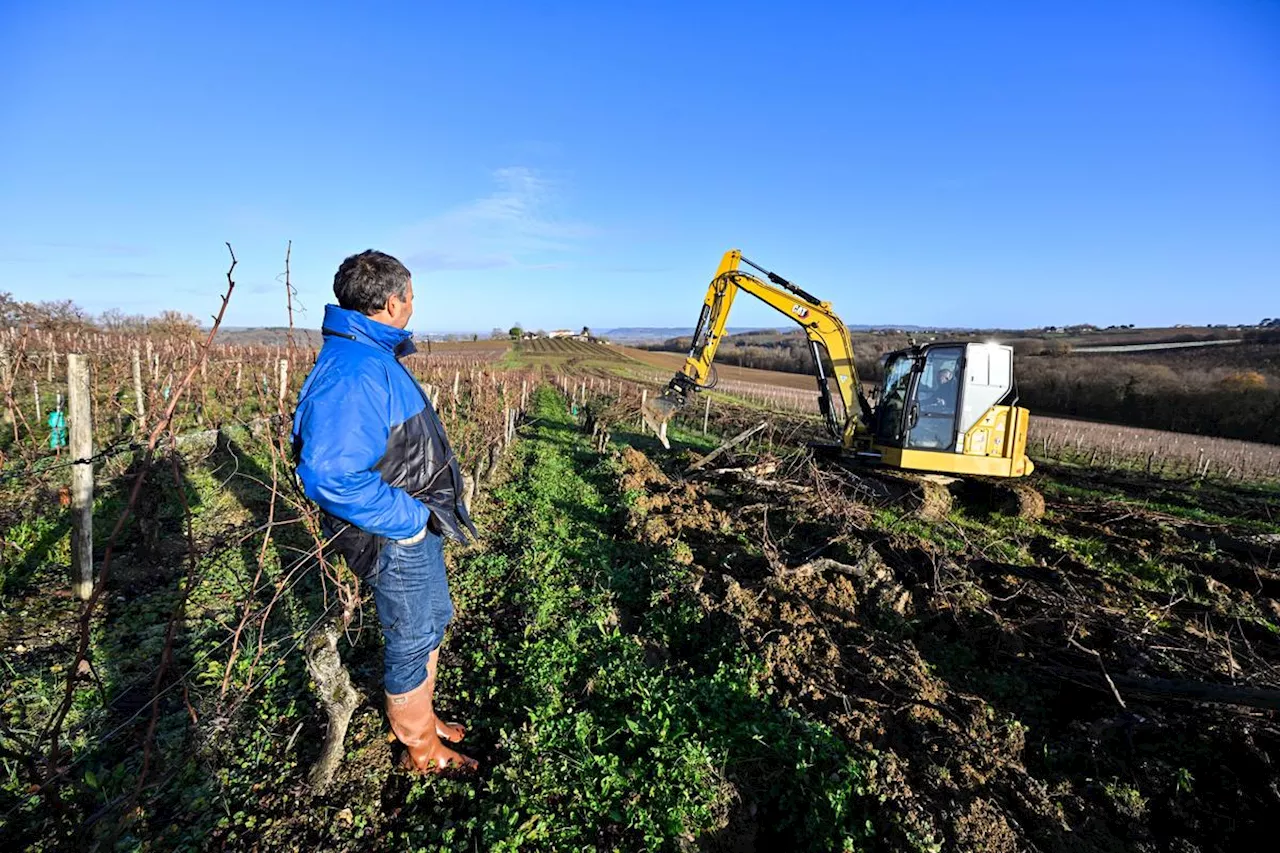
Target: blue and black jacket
370,450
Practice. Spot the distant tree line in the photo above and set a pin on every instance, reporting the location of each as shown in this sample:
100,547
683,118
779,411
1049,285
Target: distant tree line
1224,401
788,352
1228,391
64,315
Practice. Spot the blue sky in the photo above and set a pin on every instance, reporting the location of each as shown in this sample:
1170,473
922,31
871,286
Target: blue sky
558,164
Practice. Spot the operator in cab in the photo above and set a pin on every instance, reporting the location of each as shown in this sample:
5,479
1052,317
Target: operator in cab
937,400
941,397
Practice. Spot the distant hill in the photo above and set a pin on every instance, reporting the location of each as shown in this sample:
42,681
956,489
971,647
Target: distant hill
267,336
271,336
278,335
657,334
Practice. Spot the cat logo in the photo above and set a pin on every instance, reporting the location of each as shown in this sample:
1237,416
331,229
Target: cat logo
799,310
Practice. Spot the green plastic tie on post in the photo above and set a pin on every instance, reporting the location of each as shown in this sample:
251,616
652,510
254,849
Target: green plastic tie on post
57,430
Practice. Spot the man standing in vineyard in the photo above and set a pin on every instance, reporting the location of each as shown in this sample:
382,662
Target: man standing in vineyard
372,453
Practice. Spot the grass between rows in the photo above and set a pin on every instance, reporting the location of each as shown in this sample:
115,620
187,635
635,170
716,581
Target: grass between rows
610,710
619,715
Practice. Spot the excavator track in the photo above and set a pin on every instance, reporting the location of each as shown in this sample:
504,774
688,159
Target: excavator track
1010,497
931,497
924,496
1030,501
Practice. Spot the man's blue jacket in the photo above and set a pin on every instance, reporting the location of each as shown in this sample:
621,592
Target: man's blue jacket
369,448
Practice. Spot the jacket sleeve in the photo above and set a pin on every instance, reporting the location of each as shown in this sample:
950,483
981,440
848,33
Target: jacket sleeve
344,428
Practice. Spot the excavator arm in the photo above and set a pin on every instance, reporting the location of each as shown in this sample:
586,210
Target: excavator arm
824,330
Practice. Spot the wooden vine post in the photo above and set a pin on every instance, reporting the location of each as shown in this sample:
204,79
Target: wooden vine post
6,365
284,380
81,448
138,396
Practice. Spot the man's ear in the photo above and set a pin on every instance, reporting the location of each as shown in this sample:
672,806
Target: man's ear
401,309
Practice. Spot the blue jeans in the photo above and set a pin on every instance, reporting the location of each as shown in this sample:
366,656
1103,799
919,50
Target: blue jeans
412,596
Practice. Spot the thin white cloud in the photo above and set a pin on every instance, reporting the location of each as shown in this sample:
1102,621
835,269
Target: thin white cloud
119,275
41,251
87,247
512,227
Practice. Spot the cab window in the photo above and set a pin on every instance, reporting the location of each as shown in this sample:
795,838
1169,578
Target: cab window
937,393
892,403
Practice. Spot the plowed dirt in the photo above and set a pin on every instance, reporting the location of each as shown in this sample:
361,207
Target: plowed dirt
1012,685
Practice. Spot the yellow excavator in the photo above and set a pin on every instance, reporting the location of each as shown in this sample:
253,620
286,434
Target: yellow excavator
941,408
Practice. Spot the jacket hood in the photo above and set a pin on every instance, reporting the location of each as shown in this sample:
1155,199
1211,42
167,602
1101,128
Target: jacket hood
355,326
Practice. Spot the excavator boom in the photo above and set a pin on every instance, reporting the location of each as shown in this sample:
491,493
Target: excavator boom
826,333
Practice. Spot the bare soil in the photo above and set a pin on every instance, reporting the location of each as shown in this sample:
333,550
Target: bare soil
1013,685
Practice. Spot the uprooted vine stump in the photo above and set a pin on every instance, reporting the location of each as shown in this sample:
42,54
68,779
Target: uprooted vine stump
599,417
337,696
468,490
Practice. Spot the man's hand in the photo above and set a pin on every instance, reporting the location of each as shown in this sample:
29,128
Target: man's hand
433,524
414,539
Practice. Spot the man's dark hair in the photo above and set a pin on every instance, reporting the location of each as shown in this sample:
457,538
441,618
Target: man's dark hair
365,282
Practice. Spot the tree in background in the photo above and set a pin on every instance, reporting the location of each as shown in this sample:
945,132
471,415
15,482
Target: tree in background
115,320
515,332
55,315
1244,380
173,324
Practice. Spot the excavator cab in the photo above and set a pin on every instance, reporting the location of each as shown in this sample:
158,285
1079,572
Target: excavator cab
951,407
919,398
